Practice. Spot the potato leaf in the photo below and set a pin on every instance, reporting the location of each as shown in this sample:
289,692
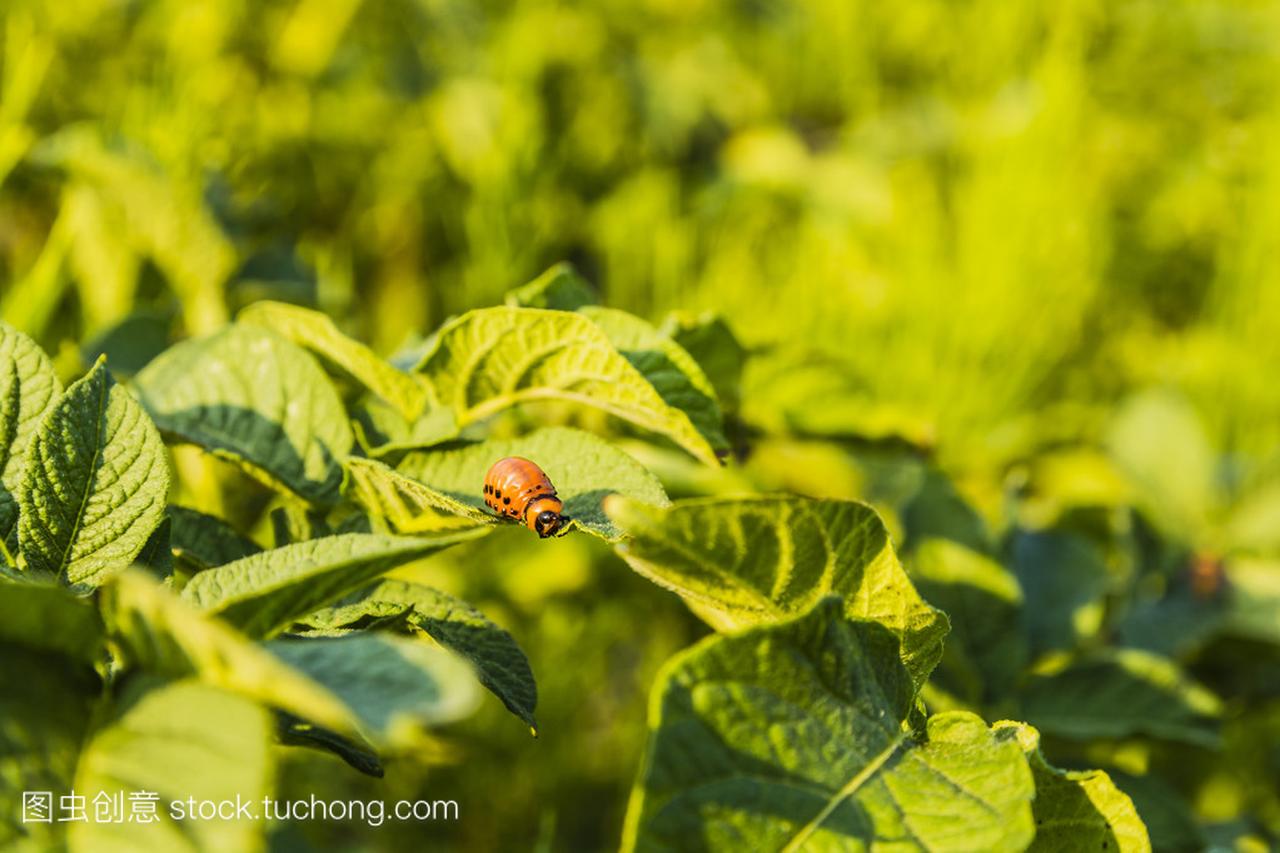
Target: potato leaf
986,649
754,560
157,632
262,594
1076,810
94,486
584,468
250,396
669,369
317,333
407,505
1122,693
180,741
794,736
394,685
28,389
493,358
559,288
499,662
50,618
206,540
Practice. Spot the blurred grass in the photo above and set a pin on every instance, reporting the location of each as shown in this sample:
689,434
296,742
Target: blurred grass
987,223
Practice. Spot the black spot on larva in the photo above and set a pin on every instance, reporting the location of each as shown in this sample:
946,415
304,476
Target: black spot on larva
506,500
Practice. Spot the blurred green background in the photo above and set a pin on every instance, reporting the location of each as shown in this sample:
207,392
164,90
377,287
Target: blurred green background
1029,243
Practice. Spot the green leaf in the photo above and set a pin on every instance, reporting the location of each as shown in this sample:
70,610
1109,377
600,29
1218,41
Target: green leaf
28,389
670,370
760,559
986,650
584,468
252,397
155,631
1150,430
318,334
499,662
1253,599
205,540
1076,810
794,737
95,484
179,741
559,288
262,594
407,505
395,685
1121,693
491,359
46,701
1063,577
49,618
712,344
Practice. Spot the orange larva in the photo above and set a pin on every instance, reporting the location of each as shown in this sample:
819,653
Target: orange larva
519,489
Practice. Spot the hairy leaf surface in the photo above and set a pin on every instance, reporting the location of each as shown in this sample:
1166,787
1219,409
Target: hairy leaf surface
28,389
584,468
794,737
250,396
95,483
493,358
754,560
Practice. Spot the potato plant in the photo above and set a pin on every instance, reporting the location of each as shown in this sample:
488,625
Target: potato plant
851,693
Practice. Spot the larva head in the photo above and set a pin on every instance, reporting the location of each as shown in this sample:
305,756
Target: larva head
543,517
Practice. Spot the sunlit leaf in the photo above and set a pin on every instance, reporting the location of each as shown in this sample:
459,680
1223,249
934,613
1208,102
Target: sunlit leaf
669,369
755,560
250,396
263,593
493,358
318,334
1076,810
179,742
795,737
406,504
94,486
584,468
28,389
155,631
